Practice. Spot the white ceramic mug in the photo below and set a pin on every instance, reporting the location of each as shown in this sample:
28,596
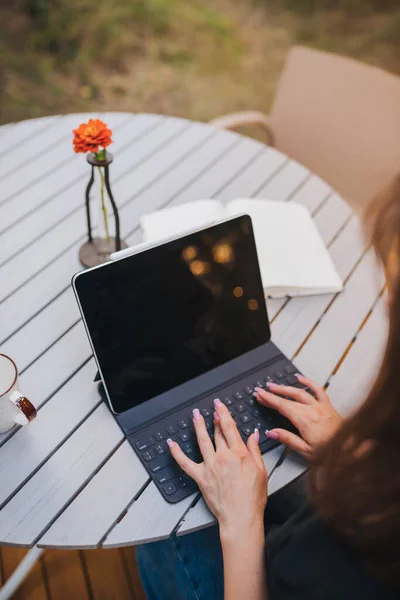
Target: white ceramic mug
15,408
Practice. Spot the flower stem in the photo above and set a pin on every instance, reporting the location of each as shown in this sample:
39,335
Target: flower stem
103,206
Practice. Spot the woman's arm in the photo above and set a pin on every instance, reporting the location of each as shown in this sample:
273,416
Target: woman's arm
234,483
244,564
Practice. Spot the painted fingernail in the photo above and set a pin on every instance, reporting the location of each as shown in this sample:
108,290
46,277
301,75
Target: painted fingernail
217,403
170,442
257,435
258,390
216,417
272,434
271,385
298,375
196,414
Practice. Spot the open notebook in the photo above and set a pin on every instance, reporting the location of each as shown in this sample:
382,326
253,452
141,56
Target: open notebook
293,258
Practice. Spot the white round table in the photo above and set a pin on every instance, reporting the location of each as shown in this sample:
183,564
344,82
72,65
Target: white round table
70,480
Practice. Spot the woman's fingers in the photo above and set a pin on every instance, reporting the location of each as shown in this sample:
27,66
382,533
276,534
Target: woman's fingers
228,425
291,440
295,393
191,468
203,439
219,438
254,448
319,392
287,408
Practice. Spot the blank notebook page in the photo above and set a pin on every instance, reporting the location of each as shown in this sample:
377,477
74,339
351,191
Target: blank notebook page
292,255
178,219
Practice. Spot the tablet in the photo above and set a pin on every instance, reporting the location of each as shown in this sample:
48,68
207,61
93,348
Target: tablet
169,313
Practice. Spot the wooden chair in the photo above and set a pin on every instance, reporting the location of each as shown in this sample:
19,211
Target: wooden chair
337,116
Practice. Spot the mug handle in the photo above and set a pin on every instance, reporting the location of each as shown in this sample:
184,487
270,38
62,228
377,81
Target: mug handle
26,411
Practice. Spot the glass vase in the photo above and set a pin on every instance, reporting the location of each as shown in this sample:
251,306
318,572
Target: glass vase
101,243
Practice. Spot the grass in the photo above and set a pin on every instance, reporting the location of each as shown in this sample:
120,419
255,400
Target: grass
193,58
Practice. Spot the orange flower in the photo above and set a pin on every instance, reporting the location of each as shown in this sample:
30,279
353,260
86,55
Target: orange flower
90,136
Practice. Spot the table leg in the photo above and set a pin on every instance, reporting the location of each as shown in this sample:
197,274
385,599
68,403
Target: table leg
20,573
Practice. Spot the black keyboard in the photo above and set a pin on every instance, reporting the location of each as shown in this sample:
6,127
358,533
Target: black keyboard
150,442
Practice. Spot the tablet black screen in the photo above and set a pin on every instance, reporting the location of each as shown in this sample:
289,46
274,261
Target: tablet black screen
166,315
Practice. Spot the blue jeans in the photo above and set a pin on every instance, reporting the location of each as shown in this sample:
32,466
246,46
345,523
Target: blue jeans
183,568
190,567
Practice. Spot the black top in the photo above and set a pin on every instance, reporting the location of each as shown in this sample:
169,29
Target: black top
307,562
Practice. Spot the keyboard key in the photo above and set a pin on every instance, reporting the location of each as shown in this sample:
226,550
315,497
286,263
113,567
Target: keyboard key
259,425
259,383
171,429
159,435
183,424
165,475
245,417
227,401
159,463
269,378
256,412
206,412
240,407
238,395
250,401
148,455
290,369
144,443
161,448
279,374
169,489
291,380
187,448
184,436
185,482
208,423
249,390
243,436
232,412
263,437
247,430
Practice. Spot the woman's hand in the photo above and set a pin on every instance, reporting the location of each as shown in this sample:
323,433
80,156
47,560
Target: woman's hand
314,417
232,478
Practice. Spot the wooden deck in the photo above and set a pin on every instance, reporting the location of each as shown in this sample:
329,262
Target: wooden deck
76,574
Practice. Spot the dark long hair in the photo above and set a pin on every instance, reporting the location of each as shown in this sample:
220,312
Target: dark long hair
355,479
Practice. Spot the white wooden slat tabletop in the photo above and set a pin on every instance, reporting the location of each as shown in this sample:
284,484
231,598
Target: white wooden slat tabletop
349,385
53,473
25,130
30,512
284,185
30,446
55,367
98,507
4,129
341,321
148,519
264,166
